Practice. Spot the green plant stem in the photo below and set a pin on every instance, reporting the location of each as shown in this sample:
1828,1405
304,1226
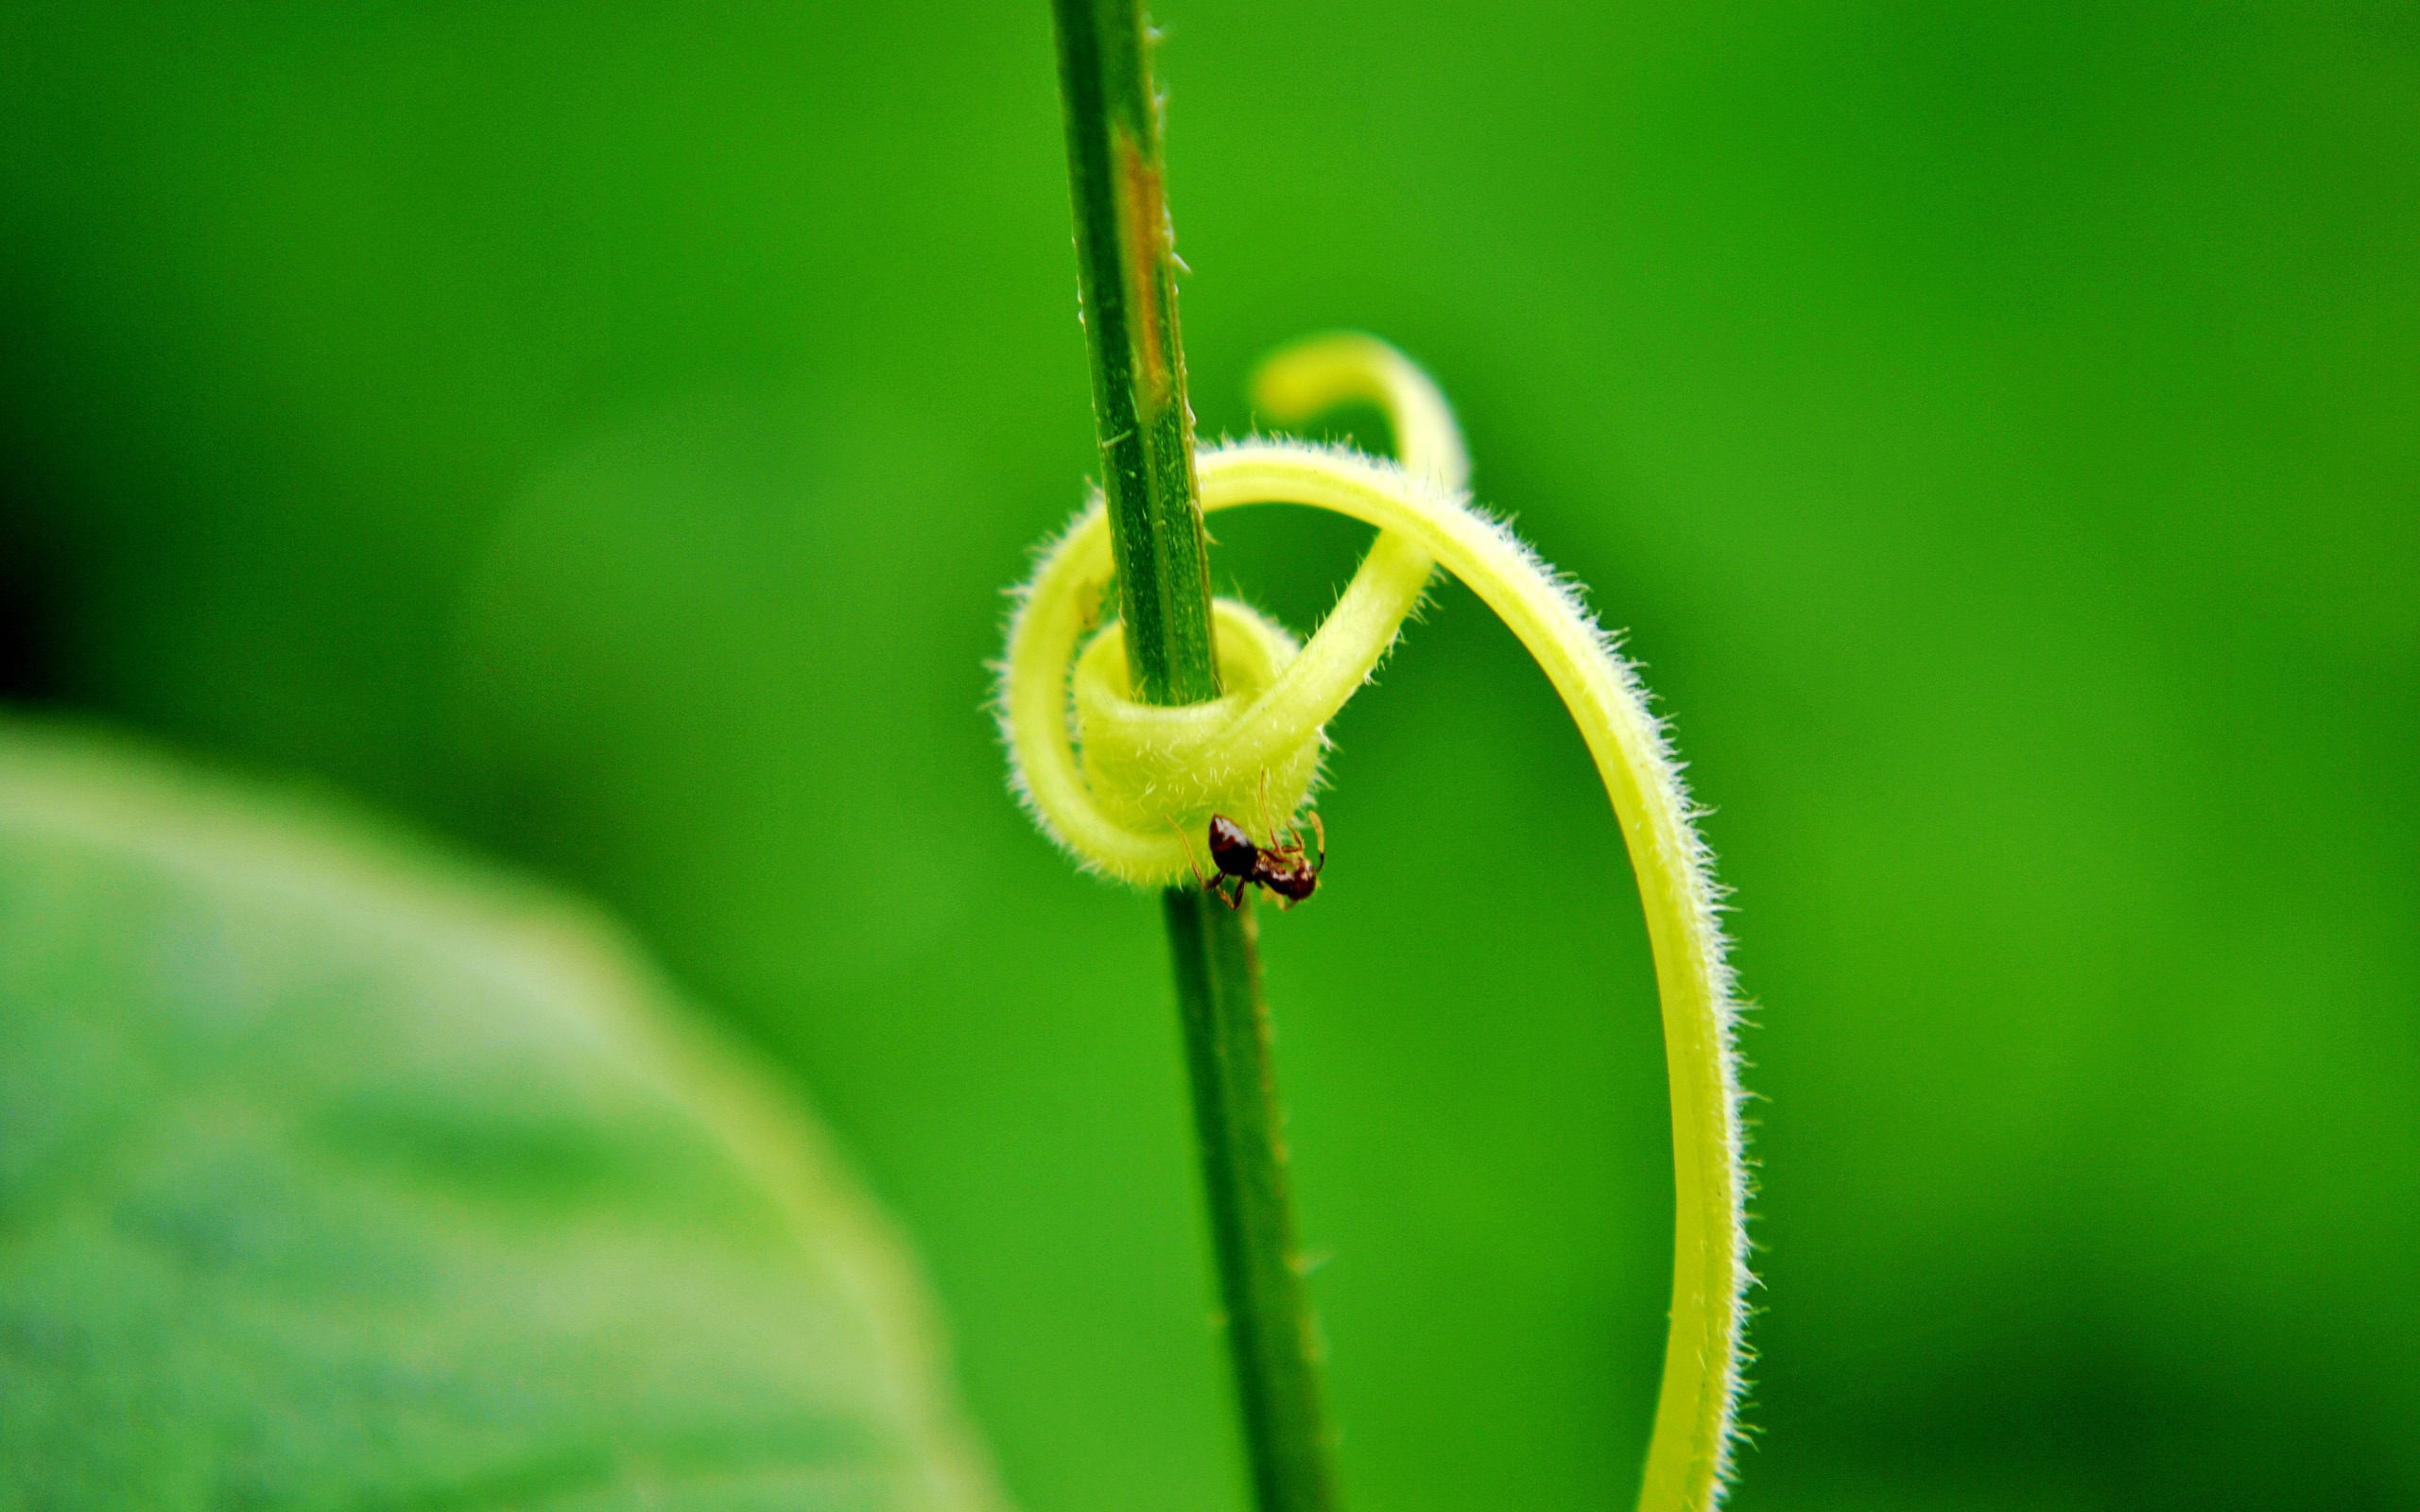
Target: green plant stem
1126,273
1270,1335
1125,270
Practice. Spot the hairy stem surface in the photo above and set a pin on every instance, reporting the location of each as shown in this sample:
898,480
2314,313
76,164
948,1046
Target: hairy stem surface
1126,273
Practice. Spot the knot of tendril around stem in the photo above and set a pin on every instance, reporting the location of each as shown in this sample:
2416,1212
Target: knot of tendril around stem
1121,784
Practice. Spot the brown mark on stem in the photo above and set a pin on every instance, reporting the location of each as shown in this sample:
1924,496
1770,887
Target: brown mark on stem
1145,242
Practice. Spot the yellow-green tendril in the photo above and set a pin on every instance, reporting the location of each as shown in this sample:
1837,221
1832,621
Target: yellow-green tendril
1122,785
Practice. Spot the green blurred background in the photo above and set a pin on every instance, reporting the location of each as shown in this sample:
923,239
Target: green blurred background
599,432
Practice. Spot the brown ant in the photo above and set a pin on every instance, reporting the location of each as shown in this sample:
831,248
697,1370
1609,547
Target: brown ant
1290,871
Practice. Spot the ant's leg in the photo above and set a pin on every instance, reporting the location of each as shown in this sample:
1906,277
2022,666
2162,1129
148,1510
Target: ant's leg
1234,903
1319,830
1186,841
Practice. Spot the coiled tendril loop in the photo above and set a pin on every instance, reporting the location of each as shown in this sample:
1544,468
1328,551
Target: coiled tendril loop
1121,785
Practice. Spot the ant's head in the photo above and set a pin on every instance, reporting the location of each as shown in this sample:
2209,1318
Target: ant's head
1230,850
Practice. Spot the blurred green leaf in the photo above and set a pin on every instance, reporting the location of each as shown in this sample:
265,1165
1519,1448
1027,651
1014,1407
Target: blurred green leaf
334,1174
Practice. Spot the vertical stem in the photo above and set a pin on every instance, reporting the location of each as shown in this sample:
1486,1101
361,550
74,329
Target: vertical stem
1126,275
1270,1335
1125,270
